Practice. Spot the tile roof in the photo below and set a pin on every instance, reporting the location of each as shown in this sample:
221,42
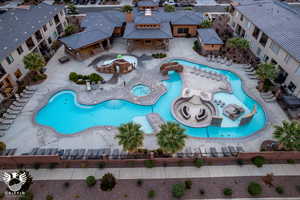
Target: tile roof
18,24
209,36
98,26
146,3
147,19
277,20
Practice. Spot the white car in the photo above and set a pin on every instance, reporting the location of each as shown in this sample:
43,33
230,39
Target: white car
170,2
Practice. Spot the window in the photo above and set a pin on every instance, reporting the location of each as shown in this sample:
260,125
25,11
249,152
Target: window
263,39
242,17
45,27
256,32
274,47
258,51
18,74
287,58
182,30
49,40
38,35
9,59
20,50
265,58
292,86
29,43
50,22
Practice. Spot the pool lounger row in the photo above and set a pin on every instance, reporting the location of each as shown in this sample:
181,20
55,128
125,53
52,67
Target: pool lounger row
43,151
8,152
226,151
90,154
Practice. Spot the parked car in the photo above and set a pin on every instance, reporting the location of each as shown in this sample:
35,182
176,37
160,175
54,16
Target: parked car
93,1
170,2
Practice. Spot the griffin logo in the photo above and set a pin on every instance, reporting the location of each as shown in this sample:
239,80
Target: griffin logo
16,181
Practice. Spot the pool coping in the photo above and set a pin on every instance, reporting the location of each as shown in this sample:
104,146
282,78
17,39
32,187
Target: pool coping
49,95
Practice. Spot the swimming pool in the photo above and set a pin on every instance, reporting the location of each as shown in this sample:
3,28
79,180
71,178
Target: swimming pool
140,90
67,116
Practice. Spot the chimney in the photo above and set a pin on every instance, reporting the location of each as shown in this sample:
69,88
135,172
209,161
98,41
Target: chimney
148,12
129,17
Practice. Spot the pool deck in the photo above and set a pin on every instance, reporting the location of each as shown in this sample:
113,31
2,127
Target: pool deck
24,134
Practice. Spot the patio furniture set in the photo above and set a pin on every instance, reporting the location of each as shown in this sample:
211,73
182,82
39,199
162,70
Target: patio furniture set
219,59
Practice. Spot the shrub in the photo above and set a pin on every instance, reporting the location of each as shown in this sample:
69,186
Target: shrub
149,163
101,165
49,197
188,8
80,82
258,161
188,184
291,161
36,166
108,182
268,179
254,189
279,189
2,195
26,196
198,162
95,78
227,191
73,76
139,182
202,192
66,184
151,194
178,190
52,165
180,163
169,8
2,146
159,55
240,162
90,181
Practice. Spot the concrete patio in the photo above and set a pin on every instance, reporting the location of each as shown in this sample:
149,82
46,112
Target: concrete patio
25,135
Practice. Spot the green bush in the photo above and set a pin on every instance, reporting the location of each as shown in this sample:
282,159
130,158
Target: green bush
198,162
279,189
95,78
81,82
188,184
149,163
254,189
66,184
178,190
258,161
291,161
139,182
2,195
169,8
2,146
49,197
90,181
227,191
52,165
240,162
101,165
36,166
202,192
73,76
159,55
108,182
26,196
151,194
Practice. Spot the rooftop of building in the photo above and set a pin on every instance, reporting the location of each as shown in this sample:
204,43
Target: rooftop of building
209,36
18,24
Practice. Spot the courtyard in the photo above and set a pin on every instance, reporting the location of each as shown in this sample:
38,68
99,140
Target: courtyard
26,134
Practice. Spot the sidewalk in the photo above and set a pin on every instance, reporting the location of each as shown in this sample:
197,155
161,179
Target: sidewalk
166,172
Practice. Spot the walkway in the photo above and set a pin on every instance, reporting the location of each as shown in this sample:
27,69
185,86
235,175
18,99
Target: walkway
166,172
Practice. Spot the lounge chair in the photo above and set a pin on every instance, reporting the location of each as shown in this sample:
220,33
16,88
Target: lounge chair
41,152
2,133
188,152
34,151
232,150
80,154
28,91
67,153
6,152
12,152
9,116
225,151
89,154
74,154
252,77
240,149
213,152
18,104
115,154
107,152
13,112
13,107
270,100
24,95
88,86
22,100
47,151
31,88
6,121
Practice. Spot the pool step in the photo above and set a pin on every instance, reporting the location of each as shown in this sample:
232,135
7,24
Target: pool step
155,121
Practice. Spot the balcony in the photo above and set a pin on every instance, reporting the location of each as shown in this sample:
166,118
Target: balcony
30,43
38,35
56,19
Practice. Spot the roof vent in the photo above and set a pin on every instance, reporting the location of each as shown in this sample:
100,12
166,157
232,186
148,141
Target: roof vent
148,12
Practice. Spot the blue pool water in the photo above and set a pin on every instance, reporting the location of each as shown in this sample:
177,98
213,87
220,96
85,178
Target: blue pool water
140,90
66,116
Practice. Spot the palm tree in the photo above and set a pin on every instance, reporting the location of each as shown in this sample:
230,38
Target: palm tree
70,29
34,62
171,137
238,43
130,136
288,134
127,8
206,24
169,8
266,72
72,9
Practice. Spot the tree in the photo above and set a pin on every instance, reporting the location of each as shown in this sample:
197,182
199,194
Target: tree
130,136
238,43
108,182
288,134
2,146
169,8
171,137
72,9
265,73
127,8
70,29
34,62
206,24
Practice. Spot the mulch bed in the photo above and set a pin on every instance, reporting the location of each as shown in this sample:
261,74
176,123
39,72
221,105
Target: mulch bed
128,189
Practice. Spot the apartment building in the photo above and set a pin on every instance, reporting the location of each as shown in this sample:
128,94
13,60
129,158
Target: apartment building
23,30
273,30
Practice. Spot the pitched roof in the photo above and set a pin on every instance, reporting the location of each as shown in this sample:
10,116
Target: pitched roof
277,20
147,20
164,32
17,25
98,26
209,36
